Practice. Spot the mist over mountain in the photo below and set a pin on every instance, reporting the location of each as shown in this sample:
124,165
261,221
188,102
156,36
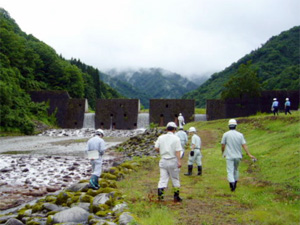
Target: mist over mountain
150,83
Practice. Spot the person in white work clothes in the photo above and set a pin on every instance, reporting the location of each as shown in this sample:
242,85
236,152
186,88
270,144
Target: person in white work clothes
275,106
195,153
180,120
96,143
169,147
183,140
232,141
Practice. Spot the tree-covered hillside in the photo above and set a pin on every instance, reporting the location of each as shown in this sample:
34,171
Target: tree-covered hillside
153,83
29,64
277,63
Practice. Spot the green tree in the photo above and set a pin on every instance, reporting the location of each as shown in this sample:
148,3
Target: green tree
244,82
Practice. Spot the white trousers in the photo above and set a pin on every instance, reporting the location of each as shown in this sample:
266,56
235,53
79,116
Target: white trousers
232,169
97,166
169,169
197,157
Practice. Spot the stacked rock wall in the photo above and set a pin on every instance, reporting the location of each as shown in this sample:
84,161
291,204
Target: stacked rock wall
117,113
163,111
231,108
69,112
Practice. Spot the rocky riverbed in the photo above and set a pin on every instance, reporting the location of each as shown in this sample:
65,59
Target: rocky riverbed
31,167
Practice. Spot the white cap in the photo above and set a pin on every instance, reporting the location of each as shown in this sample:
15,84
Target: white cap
232,122
192,129
287,99
274,99
99,131
172,124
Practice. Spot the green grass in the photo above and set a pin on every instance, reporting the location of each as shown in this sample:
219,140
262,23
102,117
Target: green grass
268,190
200,110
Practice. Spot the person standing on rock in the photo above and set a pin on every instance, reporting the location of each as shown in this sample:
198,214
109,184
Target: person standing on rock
169,147
181,120
97,145
195,153
183,140
232,141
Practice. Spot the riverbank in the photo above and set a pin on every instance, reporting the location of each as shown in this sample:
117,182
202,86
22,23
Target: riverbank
33,166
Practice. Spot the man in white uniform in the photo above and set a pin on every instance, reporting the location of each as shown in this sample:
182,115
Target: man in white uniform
96,143
169,147
195,154
180,120
183,140
232,141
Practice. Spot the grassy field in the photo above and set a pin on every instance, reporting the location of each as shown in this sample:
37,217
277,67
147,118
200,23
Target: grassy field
268,191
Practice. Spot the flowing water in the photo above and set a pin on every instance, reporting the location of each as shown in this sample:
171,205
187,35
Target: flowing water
143,120
89,120
200,117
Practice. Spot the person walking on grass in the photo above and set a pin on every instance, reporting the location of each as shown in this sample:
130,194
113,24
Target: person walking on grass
195,153
232,141
183,140
275,106
169,147
287,106
97,145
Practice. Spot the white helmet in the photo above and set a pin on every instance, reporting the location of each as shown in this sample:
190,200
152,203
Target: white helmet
180,114
274,99
232,122
192,129
287,99
99,131
172,124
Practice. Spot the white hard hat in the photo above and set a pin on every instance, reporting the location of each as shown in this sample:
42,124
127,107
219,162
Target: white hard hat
232,122
172,124
192,129
99,131
180,114
274,99
287,99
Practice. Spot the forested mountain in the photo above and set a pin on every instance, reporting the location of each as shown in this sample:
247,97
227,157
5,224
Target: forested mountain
277,64
145,84
29,64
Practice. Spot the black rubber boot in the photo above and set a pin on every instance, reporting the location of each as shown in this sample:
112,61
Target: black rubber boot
235,184
199,170
176,197
160,192
232,186
190,170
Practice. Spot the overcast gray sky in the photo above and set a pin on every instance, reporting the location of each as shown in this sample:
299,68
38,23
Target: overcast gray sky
183,36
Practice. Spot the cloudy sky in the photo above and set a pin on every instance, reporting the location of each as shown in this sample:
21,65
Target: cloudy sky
190,37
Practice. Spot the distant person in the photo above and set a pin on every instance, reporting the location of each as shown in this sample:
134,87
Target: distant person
183,140
181,120
232,141
96,144
287,106
275,105
169,147
195,153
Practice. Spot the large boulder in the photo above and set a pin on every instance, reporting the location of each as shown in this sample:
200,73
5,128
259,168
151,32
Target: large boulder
13,221
125,218
72,215
102,198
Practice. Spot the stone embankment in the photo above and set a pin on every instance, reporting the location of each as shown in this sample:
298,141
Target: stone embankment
77,204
